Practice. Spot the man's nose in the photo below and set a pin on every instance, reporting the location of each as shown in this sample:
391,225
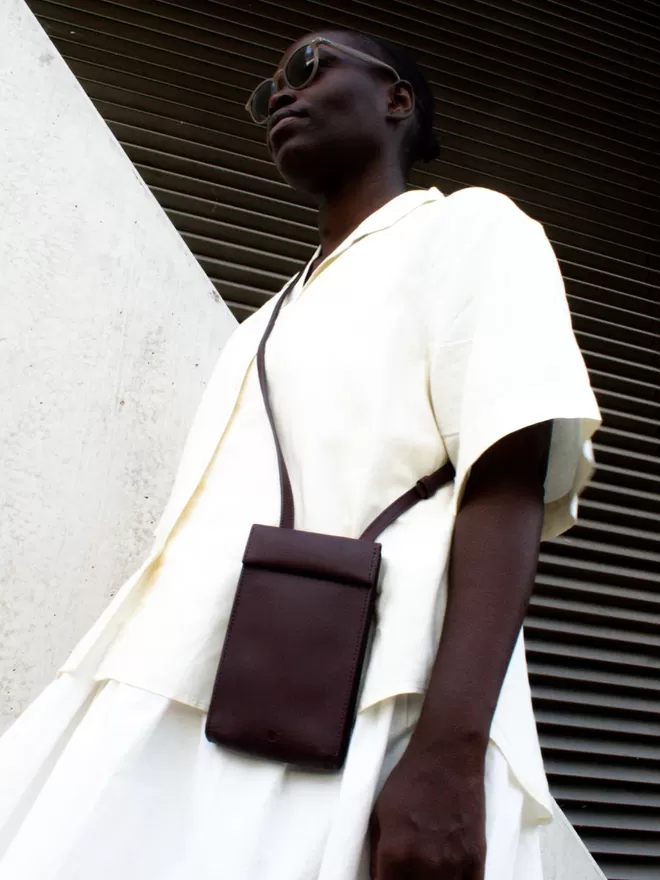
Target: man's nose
281,97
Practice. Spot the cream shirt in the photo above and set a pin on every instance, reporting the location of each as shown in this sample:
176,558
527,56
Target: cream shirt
439,326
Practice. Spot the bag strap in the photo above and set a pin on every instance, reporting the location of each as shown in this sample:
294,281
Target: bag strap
287,512
424,488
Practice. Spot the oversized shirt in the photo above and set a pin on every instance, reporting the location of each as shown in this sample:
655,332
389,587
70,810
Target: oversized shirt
437,327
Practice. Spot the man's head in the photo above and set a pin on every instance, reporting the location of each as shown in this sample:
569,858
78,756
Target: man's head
366,102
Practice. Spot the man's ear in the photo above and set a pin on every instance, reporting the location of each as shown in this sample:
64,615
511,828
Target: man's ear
401,100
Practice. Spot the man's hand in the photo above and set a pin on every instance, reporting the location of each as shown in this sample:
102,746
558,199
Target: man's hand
429,820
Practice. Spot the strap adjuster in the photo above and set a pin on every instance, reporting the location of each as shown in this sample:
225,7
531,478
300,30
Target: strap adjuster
422,488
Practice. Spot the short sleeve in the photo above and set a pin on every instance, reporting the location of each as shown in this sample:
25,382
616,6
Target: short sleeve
513,361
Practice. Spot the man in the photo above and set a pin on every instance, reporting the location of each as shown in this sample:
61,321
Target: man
424,329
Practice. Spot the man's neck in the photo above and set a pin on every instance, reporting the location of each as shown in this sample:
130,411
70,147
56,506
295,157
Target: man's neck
345,208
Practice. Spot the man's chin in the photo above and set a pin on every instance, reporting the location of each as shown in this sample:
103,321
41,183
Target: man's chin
301,166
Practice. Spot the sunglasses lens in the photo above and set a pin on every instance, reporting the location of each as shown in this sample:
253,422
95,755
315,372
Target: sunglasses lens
300,67
260,98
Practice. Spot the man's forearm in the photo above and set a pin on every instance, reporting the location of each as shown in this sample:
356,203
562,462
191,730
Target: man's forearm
492,568
430,817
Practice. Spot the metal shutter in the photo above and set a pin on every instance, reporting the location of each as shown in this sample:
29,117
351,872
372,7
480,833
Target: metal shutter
555,103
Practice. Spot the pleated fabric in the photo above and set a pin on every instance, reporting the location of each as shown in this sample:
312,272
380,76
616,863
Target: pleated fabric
106,780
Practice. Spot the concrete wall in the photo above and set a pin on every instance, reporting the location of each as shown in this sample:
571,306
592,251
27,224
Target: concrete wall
108,332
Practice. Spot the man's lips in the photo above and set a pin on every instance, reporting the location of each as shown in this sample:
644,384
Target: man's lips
281,118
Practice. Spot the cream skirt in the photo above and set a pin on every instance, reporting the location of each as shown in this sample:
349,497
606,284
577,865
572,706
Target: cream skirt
106,781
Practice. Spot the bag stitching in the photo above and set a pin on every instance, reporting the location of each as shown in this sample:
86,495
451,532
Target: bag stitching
353,667
356,652
374,556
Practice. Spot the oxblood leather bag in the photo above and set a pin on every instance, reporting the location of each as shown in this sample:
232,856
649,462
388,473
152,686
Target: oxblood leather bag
287,683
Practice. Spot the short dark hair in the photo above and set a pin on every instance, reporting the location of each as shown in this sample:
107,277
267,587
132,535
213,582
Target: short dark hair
423,145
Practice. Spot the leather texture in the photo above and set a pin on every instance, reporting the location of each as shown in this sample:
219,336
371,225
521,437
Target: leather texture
309,553
291,665
289,674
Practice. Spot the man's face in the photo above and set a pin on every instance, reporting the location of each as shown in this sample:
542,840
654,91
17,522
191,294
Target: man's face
333,127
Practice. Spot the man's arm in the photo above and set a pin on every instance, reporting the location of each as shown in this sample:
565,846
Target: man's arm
429,821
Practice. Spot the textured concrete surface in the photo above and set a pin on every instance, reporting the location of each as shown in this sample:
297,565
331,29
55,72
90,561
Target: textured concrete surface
109,330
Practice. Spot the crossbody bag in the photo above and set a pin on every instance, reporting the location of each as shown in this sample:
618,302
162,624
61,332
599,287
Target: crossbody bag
287,683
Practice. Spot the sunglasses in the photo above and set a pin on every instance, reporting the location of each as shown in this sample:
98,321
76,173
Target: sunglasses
299,71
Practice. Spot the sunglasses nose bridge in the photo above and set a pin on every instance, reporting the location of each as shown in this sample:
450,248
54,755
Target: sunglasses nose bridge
282,92
279,80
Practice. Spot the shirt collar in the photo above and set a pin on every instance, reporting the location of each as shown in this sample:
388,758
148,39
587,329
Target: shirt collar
389,214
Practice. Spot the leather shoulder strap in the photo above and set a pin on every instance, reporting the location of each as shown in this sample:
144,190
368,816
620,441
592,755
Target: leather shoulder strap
287,512
424,488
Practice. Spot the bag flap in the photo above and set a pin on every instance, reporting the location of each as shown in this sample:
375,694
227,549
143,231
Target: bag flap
330,557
